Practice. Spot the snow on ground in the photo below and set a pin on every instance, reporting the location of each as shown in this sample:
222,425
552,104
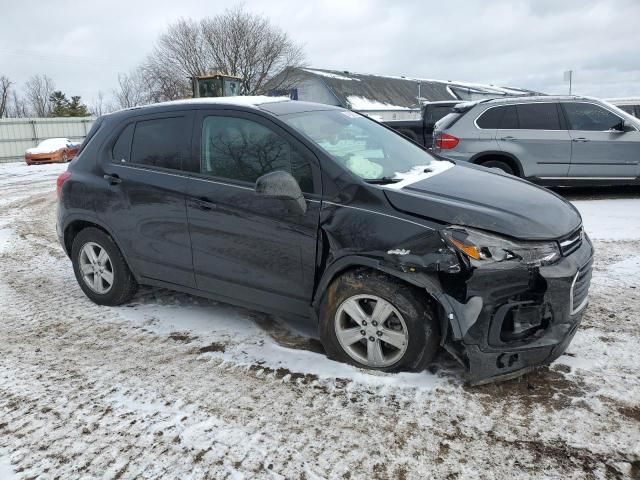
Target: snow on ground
617,219
174,386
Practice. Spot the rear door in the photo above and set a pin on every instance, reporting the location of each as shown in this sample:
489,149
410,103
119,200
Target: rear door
144,202
245,246
598,149
535,134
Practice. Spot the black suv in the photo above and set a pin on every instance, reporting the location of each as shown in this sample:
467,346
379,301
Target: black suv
311,211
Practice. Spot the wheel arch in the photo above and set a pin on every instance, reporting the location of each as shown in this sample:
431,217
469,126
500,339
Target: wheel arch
75,225
506,157
424,281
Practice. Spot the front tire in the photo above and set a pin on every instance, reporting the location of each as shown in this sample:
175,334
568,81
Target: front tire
100,268
373,321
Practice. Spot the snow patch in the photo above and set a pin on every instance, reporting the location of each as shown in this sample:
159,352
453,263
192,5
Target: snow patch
362,103
50,145
6,470
418,173
612,219
330,75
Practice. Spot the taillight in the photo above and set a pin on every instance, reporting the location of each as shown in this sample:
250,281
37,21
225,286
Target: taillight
63,177
446,141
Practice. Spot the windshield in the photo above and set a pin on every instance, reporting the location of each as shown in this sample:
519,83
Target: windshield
361,145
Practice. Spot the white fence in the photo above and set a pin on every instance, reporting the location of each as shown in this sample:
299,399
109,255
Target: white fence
18,134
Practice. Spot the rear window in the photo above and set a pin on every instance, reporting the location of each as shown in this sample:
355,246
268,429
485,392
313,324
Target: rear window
162,142
538,116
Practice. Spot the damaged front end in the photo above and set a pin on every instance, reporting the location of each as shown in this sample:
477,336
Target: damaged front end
512,305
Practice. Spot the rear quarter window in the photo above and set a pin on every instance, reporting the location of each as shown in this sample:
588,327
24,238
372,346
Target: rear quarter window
491,118
121,150
161,142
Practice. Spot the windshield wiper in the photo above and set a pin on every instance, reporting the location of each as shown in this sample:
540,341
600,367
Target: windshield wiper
382,180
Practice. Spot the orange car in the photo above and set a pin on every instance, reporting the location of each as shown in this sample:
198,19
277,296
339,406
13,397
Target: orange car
52,150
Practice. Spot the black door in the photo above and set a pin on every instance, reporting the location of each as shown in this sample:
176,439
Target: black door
247,247
145,189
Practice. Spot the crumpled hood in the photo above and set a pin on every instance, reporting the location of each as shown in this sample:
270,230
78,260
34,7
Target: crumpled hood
478,197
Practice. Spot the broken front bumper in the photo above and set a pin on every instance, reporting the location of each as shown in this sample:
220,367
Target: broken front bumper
517,317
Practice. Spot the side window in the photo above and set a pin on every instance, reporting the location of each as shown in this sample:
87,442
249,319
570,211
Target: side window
121,150
162,142
241,149
491,118
510,118
590,117
538,116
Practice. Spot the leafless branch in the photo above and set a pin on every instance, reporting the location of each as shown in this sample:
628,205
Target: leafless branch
38,90
5,86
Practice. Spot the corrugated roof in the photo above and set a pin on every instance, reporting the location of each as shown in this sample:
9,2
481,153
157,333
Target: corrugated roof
390,91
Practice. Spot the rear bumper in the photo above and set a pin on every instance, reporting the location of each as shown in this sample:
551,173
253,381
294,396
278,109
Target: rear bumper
517,317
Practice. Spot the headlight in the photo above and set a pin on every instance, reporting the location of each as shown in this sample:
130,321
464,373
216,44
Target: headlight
485,248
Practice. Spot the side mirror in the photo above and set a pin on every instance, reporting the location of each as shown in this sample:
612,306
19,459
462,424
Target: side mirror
283,186
624,126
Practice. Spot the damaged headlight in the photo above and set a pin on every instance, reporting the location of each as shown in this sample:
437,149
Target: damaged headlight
483,247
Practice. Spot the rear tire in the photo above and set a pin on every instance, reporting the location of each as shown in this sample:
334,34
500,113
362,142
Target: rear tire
500,165
105,279
64,158
406,338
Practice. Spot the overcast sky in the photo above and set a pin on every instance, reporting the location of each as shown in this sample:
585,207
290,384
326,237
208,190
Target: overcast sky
83,45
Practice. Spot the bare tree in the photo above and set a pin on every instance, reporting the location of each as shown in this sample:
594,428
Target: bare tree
235,43
38,90
250,47
98,106
17,107
132,90
5,86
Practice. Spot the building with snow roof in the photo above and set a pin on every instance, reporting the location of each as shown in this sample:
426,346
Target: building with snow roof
382,97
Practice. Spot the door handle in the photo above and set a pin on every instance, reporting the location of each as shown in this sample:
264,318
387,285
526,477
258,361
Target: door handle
508,139
580,139
113,178
203,203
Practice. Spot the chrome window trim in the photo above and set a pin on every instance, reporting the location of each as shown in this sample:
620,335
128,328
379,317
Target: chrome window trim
597,105
517,129
308,199
540,130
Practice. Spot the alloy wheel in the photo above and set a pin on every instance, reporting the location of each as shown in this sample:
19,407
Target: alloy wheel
96,268
371,330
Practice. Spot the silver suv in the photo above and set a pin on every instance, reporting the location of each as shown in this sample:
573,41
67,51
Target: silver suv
550,140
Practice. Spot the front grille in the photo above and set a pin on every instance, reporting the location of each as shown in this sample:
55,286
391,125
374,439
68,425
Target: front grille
571,242
580,288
